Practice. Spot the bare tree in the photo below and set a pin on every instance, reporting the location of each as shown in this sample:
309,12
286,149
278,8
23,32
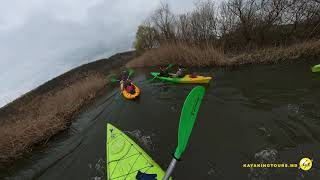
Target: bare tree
226,19
269,15
184,28
207,21
163,20
245,11
236,24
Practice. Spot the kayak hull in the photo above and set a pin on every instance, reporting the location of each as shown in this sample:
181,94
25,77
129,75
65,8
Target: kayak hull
316,68
185,79
128,95
125,158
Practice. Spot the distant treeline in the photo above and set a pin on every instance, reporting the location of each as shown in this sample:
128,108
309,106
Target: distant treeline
233,25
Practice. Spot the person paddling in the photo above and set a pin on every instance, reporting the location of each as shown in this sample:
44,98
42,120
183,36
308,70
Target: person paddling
164,71
126,84
180,73
124,75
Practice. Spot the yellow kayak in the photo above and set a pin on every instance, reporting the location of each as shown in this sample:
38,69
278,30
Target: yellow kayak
128,95
185,79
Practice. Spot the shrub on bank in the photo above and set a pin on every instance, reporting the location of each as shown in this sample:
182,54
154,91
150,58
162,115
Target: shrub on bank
210,56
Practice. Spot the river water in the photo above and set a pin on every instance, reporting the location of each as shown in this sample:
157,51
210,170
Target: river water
250,114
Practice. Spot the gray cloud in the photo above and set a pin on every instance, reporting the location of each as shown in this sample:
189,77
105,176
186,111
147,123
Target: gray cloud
41,39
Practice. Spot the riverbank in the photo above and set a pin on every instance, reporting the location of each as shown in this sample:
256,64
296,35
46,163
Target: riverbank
34,118
210,56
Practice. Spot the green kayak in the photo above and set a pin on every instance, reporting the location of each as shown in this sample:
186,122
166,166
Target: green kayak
316,68
126,160
185,79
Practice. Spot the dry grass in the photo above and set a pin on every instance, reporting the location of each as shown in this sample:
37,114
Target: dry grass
44,116
179,54
303,51
210,56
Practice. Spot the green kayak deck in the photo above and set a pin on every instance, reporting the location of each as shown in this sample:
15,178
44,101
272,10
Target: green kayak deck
125,158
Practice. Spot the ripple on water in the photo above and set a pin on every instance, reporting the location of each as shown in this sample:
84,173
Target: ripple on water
265,156
144,140
302,123
99,169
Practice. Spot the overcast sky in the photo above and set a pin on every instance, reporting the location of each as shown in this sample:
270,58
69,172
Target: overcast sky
41,39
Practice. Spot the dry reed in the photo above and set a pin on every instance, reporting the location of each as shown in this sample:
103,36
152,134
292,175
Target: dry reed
44,116
210,56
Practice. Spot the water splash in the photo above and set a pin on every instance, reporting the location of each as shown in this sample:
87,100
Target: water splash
99,169
145,140
211,171
266,156
264,131
293,109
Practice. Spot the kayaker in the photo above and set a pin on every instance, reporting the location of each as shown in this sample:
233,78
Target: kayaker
180,73
124,75
126,84
164,71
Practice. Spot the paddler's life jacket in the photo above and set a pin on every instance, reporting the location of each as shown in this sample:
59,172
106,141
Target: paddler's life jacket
180,73
130,89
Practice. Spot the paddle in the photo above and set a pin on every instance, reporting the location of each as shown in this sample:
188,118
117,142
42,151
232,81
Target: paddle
113,80
187,118
170,66
131,71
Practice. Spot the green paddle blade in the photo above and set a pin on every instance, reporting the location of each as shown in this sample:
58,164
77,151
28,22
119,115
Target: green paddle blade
187,118
170,66
316,68
131,71
114,80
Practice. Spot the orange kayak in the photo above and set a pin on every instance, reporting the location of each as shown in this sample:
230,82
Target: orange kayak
128,95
